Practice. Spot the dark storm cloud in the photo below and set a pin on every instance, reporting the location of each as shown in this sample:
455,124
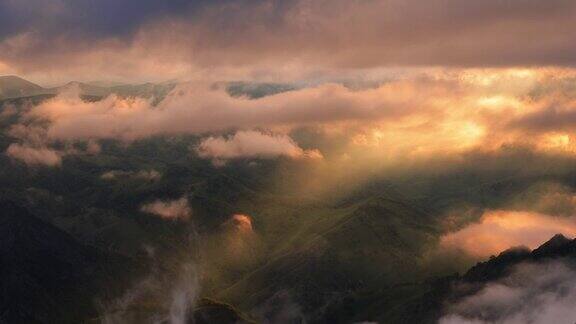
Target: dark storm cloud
101,18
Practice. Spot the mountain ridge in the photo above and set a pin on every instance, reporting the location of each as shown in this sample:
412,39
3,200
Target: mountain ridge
15,86
48,275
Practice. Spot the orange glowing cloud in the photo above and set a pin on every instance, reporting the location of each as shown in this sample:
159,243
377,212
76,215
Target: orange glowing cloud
239,239
242,223
499,230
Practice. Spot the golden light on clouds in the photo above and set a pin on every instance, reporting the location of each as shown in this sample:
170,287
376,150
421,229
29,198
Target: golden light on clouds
5,68
498,230
557,141
435,114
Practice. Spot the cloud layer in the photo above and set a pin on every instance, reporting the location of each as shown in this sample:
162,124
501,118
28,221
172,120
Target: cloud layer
533,293
199,108
255,38
437,115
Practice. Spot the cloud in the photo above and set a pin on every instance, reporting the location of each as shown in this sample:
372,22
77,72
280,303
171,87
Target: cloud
498,230
93,20
172,209
242,222
174,291
255,37
34,156
150,175
30,134
281,307
235,245
198,108
532,293
253,144
558,117
93,147
438,115
547,198
34,147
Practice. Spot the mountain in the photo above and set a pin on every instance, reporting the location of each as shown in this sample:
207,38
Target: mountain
84,88
255,90
208,311
48,276
145,90
337,259
497,267
519,268
334,255
12,86
16,87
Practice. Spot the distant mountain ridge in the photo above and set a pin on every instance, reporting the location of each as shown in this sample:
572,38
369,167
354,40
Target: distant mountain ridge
12,87
450,290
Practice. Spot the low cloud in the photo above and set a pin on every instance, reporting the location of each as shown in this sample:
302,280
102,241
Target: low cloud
533,293
547,198
499,230
174,293
199,108
436,115
172,209
34,156
150,175
34,135
34,146
253,144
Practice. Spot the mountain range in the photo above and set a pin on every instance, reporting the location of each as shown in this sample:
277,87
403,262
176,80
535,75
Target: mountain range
48,276
16,87
76,235
12,87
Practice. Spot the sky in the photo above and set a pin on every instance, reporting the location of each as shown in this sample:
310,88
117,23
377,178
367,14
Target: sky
51,41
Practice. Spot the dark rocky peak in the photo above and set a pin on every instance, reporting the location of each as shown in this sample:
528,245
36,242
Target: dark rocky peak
558,245
497,266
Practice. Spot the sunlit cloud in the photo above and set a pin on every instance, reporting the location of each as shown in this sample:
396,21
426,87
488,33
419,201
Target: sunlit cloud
499,230
172,209
34,156
531,293
438,115
150,175
253,144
